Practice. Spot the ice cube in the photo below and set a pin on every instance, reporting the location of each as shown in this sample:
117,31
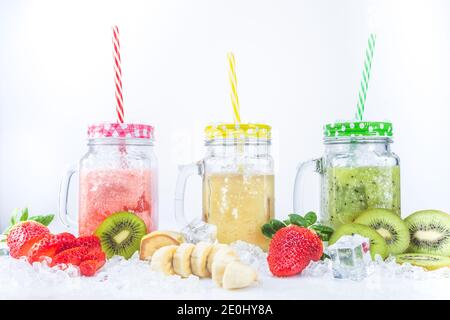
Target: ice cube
350,256
252,255
197,230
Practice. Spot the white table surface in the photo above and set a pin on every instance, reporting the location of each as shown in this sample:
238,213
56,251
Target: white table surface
298,287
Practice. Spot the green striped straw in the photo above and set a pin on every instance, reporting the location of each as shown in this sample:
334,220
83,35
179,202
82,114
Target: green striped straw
365,77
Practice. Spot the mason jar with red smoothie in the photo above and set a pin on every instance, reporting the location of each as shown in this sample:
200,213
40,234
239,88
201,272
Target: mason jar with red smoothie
118,173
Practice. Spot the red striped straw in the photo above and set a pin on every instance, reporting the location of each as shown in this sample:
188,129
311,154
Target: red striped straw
118,74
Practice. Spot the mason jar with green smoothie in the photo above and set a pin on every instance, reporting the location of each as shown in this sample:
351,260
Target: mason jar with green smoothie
358,171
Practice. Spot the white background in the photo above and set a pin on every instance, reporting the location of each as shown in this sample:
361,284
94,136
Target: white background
298,66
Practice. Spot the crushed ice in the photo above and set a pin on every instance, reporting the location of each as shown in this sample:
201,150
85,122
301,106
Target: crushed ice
197,230
118,278
252,255
380,269
133,279
388,268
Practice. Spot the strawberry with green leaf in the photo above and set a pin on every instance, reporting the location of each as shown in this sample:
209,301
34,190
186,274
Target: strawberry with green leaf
25,231
295,243
23,215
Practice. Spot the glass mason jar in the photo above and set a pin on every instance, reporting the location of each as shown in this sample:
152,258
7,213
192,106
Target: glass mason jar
238,182
118,173
358,172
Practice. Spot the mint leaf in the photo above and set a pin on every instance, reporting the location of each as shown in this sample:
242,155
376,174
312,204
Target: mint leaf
324,236
322,228
267,230
298,220
24,216
287,222
311,218
323,232
45,220
276,224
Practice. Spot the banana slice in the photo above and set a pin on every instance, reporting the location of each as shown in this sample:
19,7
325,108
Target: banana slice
182,259
221,260
158,239
238,275
199,259
216,248
162,260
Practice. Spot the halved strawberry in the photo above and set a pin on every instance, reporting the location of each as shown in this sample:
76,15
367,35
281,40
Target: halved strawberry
46,247
89,267
99,255
91,243
23,236
66,241
73,256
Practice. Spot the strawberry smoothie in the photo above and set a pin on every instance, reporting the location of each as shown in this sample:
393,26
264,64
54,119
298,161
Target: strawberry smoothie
104,192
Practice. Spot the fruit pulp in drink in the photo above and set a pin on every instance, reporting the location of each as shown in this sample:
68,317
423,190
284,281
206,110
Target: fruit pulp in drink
350,190
104,192
239,205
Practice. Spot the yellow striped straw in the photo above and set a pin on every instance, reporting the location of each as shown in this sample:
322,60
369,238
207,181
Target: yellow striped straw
233,82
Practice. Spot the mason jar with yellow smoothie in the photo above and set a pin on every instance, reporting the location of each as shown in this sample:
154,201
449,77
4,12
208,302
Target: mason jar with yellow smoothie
238,181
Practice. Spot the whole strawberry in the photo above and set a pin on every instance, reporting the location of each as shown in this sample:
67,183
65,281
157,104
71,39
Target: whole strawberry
23,236
295,243
291,250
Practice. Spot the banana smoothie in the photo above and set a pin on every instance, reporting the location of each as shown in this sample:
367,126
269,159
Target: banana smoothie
239,205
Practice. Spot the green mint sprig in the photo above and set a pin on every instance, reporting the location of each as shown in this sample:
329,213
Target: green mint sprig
307,221
23,215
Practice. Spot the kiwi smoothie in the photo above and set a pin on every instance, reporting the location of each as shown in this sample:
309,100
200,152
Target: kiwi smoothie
350,190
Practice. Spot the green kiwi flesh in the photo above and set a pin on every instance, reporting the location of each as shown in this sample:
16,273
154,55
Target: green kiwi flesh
427,261
377,243
430,232
120,234
389,225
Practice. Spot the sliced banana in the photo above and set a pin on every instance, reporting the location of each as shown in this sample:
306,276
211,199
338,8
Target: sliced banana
199,259
182,259
203,260
216,248
158,239
238,275
162,260
221,260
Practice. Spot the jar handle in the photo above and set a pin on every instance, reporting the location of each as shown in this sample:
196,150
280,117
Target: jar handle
316,166
64,187
184,172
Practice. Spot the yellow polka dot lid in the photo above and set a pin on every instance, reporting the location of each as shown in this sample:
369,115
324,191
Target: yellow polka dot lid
358,129
236,131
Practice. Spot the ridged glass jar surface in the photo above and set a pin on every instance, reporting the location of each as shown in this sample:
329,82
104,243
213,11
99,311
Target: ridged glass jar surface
358,173
238,188
117,174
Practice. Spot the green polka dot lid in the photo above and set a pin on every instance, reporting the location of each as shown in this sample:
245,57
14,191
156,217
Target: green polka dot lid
358,129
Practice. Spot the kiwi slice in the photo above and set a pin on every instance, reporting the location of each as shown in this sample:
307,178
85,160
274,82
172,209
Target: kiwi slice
430,232
377,243
427,261
121,234
389,225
